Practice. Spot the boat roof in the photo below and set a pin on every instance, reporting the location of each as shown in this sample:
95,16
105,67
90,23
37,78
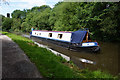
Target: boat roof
53,31
78,36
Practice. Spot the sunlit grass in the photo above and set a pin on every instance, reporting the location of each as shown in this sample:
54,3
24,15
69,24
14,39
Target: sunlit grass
3,32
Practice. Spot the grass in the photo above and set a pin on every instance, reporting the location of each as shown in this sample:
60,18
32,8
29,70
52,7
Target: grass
4,32
52,66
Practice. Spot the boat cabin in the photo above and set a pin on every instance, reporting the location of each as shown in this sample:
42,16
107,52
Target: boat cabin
80,38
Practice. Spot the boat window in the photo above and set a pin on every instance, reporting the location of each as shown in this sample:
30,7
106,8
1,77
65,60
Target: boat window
60,36
39,33
50,35
35,32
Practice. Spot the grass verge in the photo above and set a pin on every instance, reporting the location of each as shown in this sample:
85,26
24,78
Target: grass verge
4,32
52,66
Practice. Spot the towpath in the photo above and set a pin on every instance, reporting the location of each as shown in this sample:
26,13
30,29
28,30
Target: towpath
15,64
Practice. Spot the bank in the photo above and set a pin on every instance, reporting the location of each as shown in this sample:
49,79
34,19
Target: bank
52,66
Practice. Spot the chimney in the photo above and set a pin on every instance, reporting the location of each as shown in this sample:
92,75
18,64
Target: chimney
8,15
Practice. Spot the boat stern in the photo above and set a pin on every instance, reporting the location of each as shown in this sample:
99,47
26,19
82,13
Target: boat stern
90,44
94,46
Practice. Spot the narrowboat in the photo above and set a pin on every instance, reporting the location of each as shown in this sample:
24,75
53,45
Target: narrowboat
77,39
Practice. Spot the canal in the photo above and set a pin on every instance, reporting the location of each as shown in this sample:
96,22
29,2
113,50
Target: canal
106,60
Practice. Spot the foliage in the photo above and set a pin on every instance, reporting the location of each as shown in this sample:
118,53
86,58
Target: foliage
102,18
25,27
18,14
40,9
16,25
7,24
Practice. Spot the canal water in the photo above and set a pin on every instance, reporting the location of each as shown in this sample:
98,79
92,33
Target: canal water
106,60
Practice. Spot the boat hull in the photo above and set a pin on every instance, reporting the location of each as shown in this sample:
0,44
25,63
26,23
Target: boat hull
68,45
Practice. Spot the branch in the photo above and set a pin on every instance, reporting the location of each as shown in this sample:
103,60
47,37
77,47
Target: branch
4,2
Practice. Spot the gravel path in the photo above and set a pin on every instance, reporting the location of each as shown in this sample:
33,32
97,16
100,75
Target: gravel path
15,64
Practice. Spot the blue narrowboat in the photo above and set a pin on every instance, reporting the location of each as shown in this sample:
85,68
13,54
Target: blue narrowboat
77,39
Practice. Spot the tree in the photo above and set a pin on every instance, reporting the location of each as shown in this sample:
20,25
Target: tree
43,19
25,27
39,19
7,24
40,9
101,18
110,22
16,26
18,14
